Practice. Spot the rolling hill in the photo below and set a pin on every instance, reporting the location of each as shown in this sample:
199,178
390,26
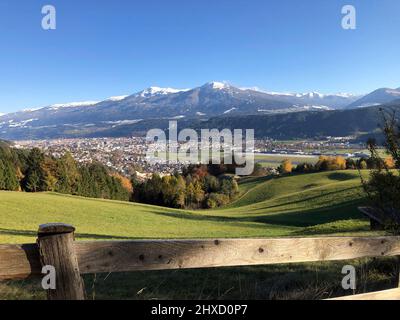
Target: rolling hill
321,203
377,97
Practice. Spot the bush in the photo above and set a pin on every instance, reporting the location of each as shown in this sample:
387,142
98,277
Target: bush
383,187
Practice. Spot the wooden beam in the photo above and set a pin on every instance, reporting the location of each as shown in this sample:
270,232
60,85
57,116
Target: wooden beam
21,261
392,294
116,256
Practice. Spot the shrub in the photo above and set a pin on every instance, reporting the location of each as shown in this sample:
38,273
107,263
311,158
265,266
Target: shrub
383,187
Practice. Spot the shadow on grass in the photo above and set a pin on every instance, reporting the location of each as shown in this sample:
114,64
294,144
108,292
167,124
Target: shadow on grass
342,176
323,195
312,217
304,218
326,230
29,233
247,180
319,280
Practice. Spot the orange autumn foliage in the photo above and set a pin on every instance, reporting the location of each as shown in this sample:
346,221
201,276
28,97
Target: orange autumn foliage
389,162
287,166
125,182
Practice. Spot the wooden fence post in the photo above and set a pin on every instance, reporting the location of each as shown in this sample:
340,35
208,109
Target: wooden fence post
56,247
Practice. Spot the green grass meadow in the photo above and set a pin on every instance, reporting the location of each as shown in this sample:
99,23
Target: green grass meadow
267,207
296,205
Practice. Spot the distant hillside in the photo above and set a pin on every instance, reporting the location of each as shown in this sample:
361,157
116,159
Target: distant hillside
377,97
289,125
209,100
359,122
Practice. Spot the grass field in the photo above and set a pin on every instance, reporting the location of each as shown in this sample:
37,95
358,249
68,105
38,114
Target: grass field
299,205
275,160
313,203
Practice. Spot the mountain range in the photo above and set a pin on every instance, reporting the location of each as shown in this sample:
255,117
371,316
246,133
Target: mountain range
377,97
211,100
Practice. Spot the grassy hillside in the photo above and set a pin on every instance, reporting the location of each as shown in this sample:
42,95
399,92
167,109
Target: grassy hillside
303,204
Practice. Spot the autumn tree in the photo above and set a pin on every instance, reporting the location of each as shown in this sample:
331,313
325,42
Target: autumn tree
286,166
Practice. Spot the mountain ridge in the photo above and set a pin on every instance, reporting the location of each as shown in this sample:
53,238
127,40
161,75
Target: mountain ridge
159,91
204,104
376,97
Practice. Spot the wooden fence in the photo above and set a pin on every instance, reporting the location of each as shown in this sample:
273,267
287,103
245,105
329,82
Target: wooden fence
56,247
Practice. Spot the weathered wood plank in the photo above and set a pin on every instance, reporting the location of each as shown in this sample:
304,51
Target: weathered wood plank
56,248
21,261
175,254
392,294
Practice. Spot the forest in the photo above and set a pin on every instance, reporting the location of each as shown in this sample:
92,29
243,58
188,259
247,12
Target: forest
33,171
199,186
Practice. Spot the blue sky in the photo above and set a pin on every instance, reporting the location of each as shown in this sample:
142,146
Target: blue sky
107,48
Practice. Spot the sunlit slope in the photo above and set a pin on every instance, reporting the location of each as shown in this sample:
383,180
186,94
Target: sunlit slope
300,200
263,189
21,213
301,204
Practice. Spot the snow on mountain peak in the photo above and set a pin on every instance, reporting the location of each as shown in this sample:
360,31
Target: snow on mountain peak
310,95
152,91
73,104
217,85
395,92
116,98
313,94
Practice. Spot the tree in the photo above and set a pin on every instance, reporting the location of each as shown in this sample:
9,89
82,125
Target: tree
383,186
389,162
286,166
211,184
125,182
34,179
180,193
198,193
258,170
190,194
362,164
351,164
339,163
68,175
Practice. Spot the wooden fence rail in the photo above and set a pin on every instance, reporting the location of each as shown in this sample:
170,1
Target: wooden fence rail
55,246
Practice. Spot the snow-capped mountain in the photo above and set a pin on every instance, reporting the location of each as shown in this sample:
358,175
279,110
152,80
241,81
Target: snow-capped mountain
157,91
116,98
72,105
377,97
209,100
309,99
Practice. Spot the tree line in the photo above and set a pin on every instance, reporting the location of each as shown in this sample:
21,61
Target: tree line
33,171
197,187
326,163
